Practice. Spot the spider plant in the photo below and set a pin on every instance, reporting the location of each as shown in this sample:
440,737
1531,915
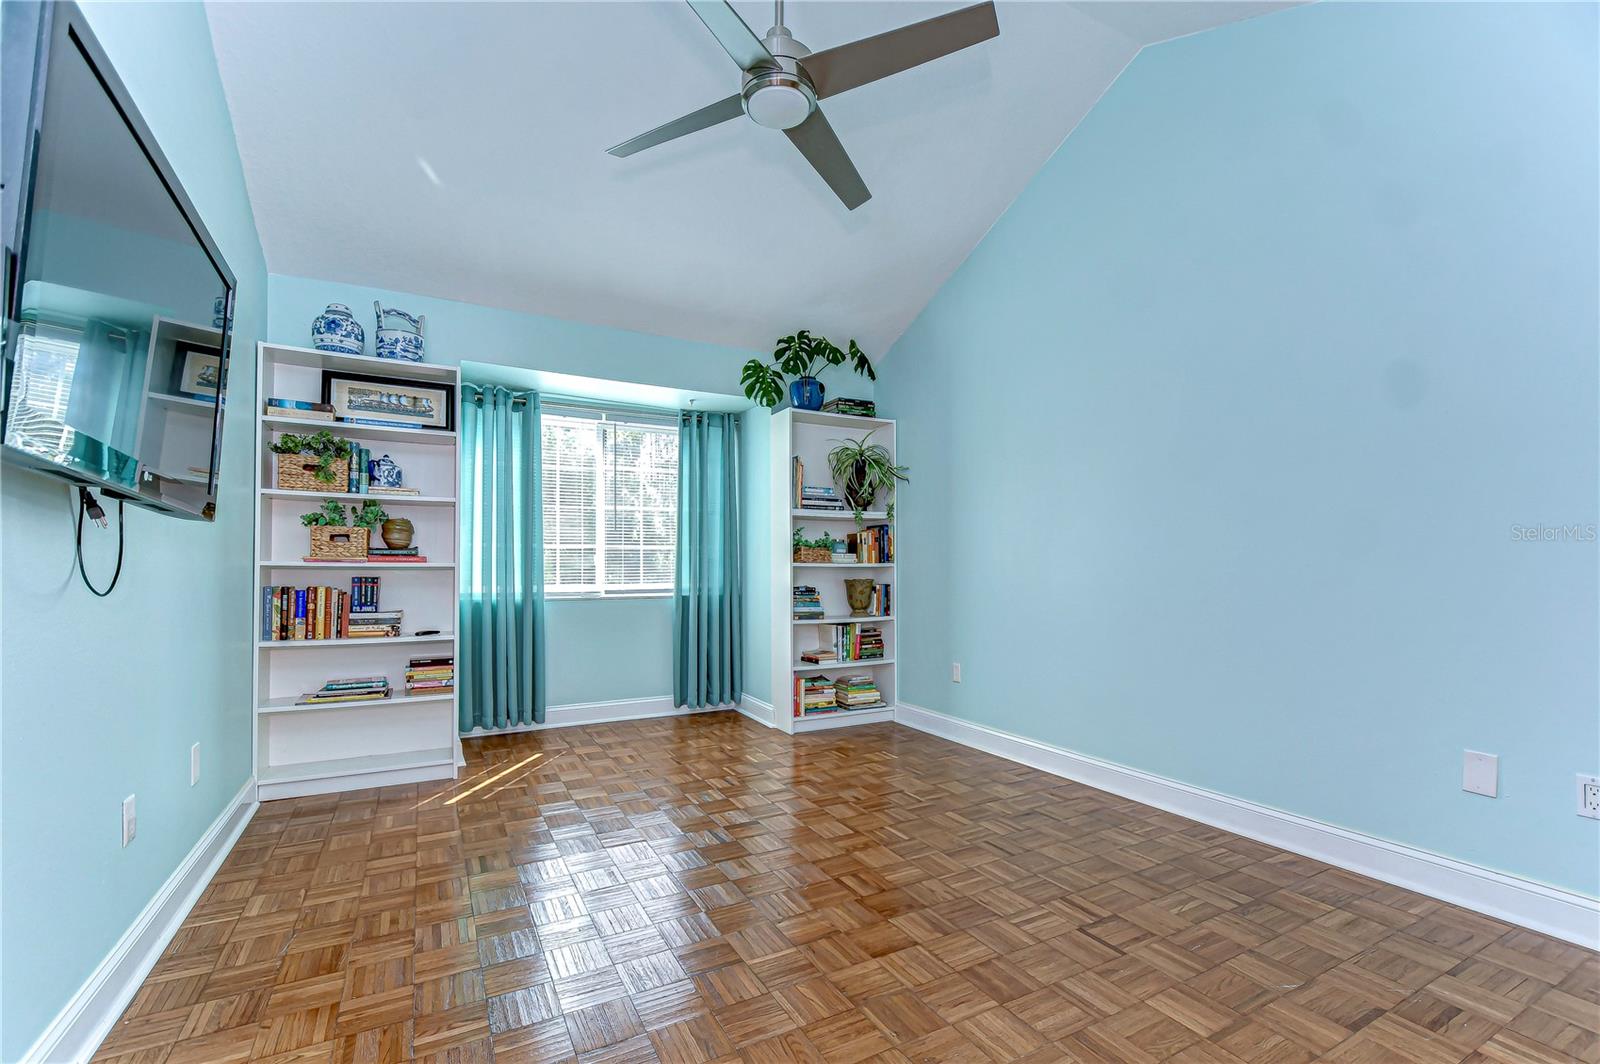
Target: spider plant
863,469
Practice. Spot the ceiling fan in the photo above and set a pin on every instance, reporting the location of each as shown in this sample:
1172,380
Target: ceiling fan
784,80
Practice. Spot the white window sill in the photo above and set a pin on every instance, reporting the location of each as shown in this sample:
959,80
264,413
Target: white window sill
595,596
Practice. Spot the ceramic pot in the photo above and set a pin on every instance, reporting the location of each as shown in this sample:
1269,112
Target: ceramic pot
859,594
399,334
854,494
336,329
806,393
397,533
385,473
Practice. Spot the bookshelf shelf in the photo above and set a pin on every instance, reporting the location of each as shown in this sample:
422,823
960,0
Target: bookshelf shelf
843,618
291,705
344,563
386,500
842,666
385,434
867,516
844,565
344,745
801,439
389,640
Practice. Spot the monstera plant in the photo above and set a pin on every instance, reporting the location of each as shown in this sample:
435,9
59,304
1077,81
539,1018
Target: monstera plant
800,356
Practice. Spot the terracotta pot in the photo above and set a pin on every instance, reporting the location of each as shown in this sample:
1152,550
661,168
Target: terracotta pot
397,533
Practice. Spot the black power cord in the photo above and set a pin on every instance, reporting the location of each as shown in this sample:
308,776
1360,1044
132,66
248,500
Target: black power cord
88,504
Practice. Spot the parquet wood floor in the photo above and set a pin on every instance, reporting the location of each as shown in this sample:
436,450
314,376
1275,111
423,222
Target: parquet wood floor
704,889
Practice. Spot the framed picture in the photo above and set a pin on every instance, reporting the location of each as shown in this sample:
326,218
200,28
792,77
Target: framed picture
364,399
197,371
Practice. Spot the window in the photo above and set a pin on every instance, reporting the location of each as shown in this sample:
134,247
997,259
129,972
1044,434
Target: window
610,504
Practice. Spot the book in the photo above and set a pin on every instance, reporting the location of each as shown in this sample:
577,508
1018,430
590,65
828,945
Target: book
299,406
312,698
392,491
853,407
391,552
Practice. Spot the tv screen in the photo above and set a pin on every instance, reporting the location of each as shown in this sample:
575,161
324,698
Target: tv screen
118,304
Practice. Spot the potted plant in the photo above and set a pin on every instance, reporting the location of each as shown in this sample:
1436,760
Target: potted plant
324,459
337,534
799,356
861,469
812,550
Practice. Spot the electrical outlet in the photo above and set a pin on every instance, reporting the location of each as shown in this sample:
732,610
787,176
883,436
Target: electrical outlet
1480,773
194,764
130,821
1589,797
955,672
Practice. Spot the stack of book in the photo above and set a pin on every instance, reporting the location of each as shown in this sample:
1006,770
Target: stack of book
814,694
360,471
856,642
374,489
358,689
842,554
364,594
820,497
853,407
395,554
289,613
856,692
872,544
299,408
820,656
382,624
430,676
807,603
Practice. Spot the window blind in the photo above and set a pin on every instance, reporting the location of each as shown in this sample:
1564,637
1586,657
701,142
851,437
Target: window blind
610,503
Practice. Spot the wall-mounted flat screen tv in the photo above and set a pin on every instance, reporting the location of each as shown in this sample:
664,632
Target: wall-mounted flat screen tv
118,305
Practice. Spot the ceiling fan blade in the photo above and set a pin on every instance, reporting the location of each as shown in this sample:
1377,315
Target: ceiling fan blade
736,38
707,116
818,143
834,70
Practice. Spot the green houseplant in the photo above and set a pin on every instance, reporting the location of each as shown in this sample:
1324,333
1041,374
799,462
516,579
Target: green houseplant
337,533
862,469
813,550
326,452
799,356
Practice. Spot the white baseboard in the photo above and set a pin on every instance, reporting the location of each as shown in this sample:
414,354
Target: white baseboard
86,1019
621,709
756,710
1562,913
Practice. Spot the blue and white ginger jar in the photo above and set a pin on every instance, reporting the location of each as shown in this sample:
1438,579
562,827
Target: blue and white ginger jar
337,330
385,473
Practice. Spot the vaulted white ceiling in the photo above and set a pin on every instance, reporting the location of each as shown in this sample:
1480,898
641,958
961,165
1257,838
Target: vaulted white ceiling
458,150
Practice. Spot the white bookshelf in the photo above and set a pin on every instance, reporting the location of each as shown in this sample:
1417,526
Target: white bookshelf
338,746
809,435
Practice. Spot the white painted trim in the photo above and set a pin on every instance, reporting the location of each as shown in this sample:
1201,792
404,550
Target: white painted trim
86,1019
620,709
1554,911
756,710
354,781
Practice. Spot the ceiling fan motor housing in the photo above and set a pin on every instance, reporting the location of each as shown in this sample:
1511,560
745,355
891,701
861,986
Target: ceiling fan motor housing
780,97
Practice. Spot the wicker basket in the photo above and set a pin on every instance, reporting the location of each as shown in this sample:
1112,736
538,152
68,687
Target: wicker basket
813,554
338,541
298,472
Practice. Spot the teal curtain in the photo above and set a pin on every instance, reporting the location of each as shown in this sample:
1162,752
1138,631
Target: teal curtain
500,677
707,634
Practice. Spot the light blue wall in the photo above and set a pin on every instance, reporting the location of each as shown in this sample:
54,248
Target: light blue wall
101,699
1218,439
599,650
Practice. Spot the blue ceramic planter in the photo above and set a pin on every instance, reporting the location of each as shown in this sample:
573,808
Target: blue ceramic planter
806,393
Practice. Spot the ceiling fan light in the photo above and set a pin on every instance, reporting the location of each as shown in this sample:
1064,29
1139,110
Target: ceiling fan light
778,99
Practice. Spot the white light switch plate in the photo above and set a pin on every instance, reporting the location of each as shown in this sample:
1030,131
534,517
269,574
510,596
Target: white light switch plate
130,821
194,764
1480,773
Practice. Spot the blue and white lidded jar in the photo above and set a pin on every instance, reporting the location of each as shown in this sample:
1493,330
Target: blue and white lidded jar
385,473
337,330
